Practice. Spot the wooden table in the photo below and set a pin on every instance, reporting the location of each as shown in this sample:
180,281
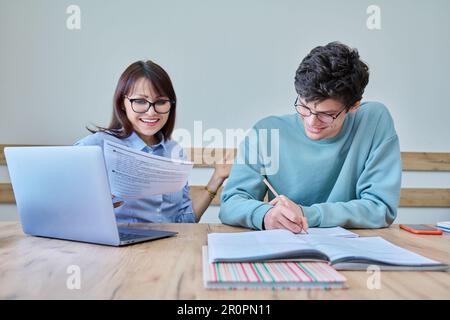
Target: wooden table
37,268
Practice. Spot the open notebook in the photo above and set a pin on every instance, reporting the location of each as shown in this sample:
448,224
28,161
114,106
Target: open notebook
332,231
272,274
341,252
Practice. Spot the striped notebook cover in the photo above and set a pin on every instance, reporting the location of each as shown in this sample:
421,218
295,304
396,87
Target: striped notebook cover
279,274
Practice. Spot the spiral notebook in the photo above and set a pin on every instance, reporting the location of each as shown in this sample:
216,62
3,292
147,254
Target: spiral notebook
281,274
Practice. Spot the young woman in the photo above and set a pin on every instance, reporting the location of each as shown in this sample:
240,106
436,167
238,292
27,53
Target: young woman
144,111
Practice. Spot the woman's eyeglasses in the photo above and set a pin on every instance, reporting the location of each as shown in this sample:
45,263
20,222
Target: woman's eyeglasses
140,105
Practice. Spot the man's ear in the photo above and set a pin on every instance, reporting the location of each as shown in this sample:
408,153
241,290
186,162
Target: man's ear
355,107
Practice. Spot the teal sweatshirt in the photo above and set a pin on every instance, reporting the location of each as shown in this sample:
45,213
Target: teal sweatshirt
350,180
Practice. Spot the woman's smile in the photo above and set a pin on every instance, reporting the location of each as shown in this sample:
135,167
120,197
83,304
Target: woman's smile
151,122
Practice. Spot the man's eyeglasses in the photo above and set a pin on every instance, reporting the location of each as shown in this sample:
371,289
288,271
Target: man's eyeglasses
304,111
140,105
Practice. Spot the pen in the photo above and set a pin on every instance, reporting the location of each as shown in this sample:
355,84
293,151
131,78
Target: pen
277,195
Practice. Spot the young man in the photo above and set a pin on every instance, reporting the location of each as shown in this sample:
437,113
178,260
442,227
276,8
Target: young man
338,161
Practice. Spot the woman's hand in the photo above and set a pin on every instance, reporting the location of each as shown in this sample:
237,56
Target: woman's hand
221,173
222,169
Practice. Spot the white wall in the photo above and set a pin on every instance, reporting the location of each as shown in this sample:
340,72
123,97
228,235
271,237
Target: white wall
232,62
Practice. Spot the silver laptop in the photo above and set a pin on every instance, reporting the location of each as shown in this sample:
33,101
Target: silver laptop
63,193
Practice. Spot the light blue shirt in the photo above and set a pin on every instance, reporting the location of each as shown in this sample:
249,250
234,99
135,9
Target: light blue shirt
352,180
165,208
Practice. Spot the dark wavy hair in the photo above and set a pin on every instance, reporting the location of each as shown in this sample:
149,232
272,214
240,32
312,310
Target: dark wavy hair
333,71
120,126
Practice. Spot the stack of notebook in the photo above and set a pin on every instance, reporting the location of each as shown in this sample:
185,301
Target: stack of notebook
276,274
271,274
279,258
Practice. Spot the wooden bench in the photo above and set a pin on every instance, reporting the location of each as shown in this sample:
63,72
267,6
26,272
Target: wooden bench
410,197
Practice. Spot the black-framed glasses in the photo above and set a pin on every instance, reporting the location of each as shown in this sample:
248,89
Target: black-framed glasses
141,105
324,117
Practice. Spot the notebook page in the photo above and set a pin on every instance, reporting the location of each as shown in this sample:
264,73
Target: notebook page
247,246
369,248
333,231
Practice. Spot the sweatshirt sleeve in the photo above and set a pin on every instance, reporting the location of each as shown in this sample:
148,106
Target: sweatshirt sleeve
377,190
242,199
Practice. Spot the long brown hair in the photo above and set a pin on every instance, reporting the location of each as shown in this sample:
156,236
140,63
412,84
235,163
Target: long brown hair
120,126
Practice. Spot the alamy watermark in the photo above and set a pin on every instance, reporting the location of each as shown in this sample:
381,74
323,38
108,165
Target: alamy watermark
374,19
374,280
259,147
73,21
73,281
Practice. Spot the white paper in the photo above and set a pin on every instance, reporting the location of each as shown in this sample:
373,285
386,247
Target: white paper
334,232
253,245
368,248
137,174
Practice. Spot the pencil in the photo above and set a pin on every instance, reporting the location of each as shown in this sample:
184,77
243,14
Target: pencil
270,187
277,195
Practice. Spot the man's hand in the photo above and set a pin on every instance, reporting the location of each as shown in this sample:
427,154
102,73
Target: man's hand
285,215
